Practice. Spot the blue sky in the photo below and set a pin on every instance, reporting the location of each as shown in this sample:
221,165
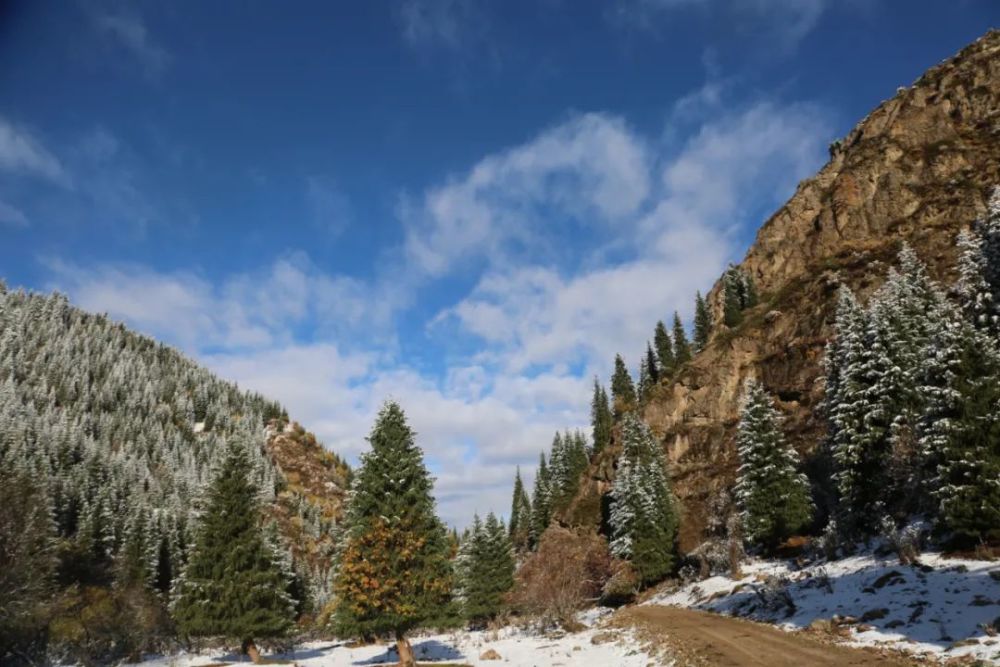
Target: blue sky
466,205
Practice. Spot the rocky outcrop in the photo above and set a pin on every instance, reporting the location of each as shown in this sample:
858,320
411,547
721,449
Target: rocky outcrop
917,169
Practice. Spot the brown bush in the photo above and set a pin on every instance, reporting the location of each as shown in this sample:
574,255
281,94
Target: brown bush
567,572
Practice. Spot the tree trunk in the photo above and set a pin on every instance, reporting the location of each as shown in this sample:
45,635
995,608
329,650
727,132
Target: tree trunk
251,650
405,651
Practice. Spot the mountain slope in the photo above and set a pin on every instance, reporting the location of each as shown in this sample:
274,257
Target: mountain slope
123,432
916,170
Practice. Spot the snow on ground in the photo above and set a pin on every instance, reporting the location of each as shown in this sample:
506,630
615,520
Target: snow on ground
515,647
942,607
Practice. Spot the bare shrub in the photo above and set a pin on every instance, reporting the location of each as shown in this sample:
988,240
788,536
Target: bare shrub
567,572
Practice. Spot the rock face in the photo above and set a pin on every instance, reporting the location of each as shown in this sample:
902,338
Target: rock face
917,169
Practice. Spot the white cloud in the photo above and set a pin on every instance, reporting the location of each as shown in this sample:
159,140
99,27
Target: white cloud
726,174
22,153
246,311
591,170
130,32
430,23
12,216
788,21
327,204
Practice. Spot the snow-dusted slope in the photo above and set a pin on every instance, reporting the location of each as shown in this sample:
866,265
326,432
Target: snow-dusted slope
942,607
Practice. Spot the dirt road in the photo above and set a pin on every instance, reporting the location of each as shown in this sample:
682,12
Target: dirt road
697,638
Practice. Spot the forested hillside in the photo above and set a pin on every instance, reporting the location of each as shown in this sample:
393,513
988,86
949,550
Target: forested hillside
116,436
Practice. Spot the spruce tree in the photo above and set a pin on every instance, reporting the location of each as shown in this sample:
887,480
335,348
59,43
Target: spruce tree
643,517
520,515
394,572
541,500
485,569
773,496
960,432
601,419
732,301
652,364
233,585
702,322
664,349
682,349
622,390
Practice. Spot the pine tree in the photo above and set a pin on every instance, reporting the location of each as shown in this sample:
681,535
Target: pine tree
622,390
960,432
520,515
559,472
643,518
652,364
232,584
702,322
682,349
732,304
601,419
772,495
485,569
394,572
541,501
664,349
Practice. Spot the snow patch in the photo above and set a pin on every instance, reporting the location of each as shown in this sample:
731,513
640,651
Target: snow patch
517,648
942,607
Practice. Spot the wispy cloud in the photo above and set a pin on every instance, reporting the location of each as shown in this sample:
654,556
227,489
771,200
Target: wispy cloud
328,205
439,23
130,33
590,170
787,21
12,216
22,153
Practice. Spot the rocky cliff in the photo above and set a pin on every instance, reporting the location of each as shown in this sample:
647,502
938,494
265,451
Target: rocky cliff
917,169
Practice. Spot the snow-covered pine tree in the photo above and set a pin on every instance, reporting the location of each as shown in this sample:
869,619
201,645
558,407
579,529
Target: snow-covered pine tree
702,322
773,496
233,584
485,569
394,572
643,517
541,501
559,471
682,349
622,389
959,433
601,419
664,349
520,515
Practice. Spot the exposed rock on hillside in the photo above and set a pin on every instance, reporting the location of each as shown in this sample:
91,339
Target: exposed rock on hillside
917,169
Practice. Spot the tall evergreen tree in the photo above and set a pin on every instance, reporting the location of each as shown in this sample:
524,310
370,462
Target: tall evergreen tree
541,499
773,496
233,584
652,364
664,349
643,517
622,389
601,419
520,515
485,569
960,431
394,572
682,349
702,322
732,301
